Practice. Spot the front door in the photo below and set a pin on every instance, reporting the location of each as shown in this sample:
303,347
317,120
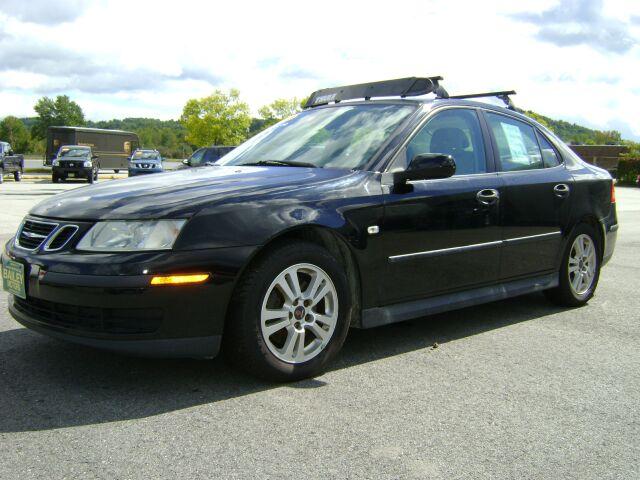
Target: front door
444,235
537,198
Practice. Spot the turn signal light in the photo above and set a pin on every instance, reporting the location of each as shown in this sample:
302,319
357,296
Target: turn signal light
180,279
613,193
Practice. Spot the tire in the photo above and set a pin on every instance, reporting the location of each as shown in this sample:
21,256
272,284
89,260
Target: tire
116,170
91,177
322,326
17,175
572,291
55,178
95,174
1,175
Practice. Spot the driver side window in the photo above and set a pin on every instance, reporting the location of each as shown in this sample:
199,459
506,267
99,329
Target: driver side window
196,158
454,132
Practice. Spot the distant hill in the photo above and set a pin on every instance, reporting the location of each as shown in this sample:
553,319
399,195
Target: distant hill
577,134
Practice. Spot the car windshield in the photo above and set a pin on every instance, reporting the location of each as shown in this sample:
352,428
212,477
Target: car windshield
345,136
74,152
145,155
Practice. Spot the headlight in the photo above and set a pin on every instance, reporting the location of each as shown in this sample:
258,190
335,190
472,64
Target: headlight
55,163
131,236
87,163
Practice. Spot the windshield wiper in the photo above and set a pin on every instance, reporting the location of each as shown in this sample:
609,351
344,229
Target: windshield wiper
279,163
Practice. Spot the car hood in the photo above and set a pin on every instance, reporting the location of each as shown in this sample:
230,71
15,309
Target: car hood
182,193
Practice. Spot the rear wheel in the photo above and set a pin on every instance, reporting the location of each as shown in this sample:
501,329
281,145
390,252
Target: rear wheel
580,269
55,178
289,313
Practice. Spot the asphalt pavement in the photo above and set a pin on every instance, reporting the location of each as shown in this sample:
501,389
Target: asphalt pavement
517,389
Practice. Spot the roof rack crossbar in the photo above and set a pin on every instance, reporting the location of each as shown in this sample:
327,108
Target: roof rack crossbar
502,95
400,87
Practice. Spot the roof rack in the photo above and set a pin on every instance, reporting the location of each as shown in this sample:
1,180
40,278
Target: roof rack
400,87
503,95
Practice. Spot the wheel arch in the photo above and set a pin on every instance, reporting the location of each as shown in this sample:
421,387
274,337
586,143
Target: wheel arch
327,238
591,220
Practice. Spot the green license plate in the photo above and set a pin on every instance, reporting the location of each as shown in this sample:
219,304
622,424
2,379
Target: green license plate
13,277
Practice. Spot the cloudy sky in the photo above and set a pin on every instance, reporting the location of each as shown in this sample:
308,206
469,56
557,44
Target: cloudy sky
577,60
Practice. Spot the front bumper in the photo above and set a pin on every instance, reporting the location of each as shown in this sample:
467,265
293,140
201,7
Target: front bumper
70,297
143,171
80,172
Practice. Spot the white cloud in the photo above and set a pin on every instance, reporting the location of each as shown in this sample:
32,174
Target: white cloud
146,58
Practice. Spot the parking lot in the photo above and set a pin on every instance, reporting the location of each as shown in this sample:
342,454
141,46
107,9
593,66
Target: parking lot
514,389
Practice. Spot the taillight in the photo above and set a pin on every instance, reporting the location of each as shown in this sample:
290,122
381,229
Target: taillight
613,193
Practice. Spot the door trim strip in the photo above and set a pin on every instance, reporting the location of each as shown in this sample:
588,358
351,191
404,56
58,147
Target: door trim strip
444,251
510,241
473,247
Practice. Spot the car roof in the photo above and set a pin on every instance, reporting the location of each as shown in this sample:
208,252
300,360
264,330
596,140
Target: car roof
431,103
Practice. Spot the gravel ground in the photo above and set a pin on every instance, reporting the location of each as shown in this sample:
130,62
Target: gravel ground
514,389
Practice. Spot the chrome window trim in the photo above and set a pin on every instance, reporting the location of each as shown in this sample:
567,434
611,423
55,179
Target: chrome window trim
472,247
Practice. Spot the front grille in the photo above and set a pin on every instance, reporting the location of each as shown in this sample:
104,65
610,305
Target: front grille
71,163
32,234
122,321
61,237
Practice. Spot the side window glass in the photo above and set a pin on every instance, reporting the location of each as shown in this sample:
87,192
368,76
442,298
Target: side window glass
454,132
209,156
549,155
196,158
517,144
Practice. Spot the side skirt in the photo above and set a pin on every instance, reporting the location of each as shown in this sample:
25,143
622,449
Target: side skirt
377,316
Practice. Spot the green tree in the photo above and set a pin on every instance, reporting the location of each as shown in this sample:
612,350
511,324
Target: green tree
62,111
219,119
279,110
12,130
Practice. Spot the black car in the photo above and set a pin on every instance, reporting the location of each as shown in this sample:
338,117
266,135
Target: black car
350,214
206,156
75,161
10,162
144,162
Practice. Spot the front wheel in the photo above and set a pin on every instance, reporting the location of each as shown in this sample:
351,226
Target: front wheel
289,314
17,175
580,269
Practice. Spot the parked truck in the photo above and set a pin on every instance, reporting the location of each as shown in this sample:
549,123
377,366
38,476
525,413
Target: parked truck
112,147
10,163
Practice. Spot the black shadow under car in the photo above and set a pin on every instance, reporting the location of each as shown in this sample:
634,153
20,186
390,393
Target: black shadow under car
349,214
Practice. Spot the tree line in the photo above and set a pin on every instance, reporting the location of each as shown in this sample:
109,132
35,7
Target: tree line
221,118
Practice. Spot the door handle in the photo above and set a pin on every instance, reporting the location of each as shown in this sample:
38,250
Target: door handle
561,190
488,196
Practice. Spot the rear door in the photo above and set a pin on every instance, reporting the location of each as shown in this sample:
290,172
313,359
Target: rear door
537,196
444,235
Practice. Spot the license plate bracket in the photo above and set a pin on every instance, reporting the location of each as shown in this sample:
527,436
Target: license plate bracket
13,279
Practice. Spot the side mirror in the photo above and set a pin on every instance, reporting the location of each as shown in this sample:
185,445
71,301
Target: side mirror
93,157
427,166
186,161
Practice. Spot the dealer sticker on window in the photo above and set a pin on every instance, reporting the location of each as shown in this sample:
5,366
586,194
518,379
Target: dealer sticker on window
13,277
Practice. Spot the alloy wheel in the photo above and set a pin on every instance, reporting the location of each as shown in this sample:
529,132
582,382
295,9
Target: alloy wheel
582,264
299,313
